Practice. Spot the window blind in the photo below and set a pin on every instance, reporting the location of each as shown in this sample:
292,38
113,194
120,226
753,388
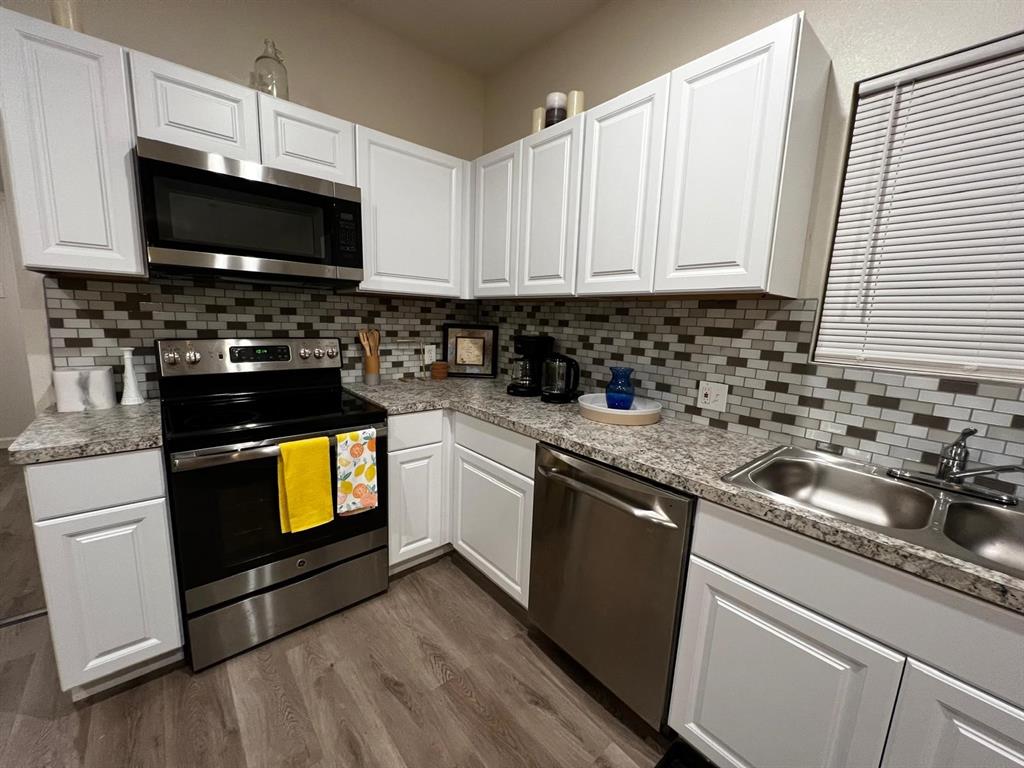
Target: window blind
927,268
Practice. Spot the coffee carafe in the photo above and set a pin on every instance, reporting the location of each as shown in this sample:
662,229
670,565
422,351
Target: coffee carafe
525,371
560,379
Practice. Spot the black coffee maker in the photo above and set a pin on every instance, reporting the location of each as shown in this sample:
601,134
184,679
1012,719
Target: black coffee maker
526,369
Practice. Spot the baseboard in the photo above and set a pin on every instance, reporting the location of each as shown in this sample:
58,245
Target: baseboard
129,677
415,563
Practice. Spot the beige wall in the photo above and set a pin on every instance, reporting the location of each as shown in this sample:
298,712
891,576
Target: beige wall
24,346
628,42
337,62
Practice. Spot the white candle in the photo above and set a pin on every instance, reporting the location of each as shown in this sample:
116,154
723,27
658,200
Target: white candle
575,103
538,119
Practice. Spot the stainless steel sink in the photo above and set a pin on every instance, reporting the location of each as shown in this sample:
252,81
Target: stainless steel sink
995,534
846,492
937,519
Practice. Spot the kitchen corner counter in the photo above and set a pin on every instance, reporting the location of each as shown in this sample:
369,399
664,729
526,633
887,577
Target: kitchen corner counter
54,436
690,458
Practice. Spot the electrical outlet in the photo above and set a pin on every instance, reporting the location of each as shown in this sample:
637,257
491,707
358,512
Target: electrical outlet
712,396
429,354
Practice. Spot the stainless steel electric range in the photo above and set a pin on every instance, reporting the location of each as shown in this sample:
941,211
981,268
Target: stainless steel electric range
227,405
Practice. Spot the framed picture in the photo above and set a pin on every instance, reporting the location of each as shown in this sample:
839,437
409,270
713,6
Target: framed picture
471,350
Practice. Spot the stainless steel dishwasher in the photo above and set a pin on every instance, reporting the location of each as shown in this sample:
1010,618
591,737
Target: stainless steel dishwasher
606,574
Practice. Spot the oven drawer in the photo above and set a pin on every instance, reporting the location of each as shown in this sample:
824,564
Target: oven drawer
411,430
60,488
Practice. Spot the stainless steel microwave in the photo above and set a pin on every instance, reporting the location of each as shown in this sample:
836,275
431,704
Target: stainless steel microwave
202,211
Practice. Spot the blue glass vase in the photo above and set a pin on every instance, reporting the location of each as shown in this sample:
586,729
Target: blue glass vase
620,390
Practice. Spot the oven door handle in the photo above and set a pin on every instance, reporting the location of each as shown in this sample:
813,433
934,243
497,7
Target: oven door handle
234,454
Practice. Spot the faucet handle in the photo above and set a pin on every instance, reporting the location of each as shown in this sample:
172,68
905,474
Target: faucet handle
962,440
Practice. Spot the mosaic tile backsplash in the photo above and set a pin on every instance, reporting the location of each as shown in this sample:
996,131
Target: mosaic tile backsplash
89,320
759,347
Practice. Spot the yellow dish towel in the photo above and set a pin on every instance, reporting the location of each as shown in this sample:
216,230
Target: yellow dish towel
357,472
304,495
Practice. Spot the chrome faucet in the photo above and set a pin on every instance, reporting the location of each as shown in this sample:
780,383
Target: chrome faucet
952,471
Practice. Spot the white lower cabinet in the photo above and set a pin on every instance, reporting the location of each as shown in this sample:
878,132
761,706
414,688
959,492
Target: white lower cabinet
415,506
493,520
761,681
941,722
110,590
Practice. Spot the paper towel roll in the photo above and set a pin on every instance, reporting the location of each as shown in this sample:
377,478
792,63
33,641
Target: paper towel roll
84,389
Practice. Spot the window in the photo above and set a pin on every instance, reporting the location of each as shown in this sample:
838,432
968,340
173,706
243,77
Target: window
927,268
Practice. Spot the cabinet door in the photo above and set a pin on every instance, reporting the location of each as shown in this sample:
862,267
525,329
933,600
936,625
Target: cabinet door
941,722
108,577
623,156
415,478
69,139
760,681
727,120
493,520
192,109
549,210
295,138
412,216
496,221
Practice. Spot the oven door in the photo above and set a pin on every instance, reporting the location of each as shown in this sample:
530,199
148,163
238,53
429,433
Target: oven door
203,211
227,530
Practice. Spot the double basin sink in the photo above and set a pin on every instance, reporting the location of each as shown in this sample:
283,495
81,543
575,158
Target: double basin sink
987,534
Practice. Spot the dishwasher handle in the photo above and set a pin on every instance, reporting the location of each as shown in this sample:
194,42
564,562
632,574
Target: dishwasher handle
650,515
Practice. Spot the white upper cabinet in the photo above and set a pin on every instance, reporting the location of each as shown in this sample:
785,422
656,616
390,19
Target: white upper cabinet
740,153
549,209
761,681
302,140
622,162
68,130
192,109
413,216
496,179
941,722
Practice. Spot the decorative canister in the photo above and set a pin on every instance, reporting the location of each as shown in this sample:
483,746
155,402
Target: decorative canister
271,75
620,390
554,108
84,388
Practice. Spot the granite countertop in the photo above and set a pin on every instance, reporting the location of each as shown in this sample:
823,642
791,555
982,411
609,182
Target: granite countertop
674,452
693,459
53,436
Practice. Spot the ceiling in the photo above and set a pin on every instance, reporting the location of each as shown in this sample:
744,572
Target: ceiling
479,35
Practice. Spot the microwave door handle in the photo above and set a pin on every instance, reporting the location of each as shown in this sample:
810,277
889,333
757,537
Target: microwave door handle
650,515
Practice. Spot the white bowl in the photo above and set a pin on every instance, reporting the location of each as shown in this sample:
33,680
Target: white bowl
643,411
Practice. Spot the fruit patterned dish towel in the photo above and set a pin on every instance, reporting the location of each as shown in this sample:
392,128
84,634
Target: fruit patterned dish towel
357,472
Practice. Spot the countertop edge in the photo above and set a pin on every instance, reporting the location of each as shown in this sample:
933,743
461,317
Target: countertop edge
992,587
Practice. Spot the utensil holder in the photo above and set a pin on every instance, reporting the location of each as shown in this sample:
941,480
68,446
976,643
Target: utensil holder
371,370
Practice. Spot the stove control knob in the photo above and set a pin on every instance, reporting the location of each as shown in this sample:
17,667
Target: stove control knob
332,352
318,353
304,353
171,357
192,357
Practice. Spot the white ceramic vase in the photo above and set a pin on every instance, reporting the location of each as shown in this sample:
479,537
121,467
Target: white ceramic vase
130,395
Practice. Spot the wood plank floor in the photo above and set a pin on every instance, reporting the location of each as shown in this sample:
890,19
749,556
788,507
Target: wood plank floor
20,588
434,673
